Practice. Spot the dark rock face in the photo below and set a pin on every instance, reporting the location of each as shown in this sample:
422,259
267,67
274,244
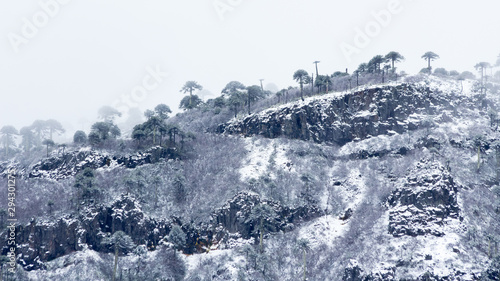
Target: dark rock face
427,198
233,217
71,163
348,214
493,272
353,272
387,274
342,119
44,241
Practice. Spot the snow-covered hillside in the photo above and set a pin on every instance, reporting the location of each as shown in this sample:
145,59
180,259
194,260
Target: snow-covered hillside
396,181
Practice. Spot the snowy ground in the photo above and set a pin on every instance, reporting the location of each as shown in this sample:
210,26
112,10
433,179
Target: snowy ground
323,230
232,264
262,153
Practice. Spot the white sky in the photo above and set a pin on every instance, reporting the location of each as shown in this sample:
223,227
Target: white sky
91,53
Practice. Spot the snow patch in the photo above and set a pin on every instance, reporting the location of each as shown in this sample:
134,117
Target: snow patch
323,230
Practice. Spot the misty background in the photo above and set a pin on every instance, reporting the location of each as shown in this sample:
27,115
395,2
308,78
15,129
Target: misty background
82,55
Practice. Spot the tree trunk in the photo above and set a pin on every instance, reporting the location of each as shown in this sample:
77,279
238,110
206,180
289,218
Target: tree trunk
116,263
498,164
478,156
301,95
261,233
304,252
249,105
156,195
190,97
489,248
312,84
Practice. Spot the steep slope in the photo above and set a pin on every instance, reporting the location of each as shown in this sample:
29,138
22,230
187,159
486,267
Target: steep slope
388,182
343,117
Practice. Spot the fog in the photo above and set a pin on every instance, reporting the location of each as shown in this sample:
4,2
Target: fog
66,59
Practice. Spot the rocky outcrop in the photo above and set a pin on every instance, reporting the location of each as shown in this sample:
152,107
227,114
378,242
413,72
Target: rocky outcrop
234,216
70,164
38,242
427,199
344,118
352,272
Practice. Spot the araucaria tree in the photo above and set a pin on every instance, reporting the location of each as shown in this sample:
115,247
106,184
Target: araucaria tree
301,76
48,142
155,127
80,137
28,139
262,215
179,187
54,127
430,56
480,143
87,190
394,57
7,137
235,92
189,87
303,245
121,243
101,131
190,102
362,68
39,128
177,237
323,81
108,113
162,111
375,64
254,93
481,67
